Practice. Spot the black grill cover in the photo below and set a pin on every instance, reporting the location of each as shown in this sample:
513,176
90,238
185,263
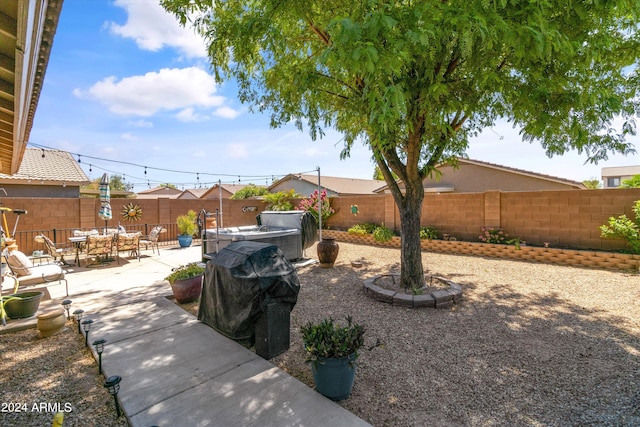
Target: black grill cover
240,281
308,230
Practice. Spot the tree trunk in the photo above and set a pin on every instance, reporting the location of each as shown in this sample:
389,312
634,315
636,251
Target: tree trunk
411,271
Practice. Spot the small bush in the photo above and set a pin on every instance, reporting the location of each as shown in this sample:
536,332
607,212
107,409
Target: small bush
428,233
382,234
362,229
625,228
493,235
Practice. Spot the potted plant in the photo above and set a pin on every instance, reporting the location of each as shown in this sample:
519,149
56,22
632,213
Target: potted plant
332,351
186,282
186,228
20,305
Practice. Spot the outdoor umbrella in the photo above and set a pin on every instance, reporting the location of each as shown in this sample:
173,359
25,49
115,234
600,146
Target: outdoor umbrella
105,201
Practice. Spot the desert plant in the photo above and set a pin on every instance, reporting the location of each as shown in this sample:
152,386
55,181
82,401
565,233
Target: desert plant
185,272
428,232
327,339
382,234
625,228
361,229
187,223
493,235
280,201
310,205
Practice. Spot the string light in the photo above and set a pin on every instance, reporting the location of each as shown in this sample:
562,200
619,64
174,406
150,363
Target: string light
200,183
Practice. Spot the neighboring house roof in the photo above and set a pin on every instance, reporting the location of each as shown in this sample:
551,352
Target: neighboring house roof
228,190
47,167
27,28
192,193
340,186
154,193
442,185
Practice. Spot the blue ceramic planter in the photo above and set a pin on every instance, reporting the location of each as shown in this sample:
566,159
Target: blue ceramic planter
334,377
185,241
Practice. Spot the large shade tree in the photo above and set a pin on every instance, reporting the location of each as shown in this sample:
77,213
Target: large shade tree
415,79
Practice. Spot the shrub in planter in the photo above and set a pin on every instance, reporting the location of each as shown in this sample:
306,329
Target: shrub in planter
186,282
332,351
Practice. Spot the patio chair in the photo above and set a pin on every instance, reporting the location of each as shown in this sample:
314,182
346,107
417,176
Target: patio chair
128,242
24,273
152,238
56,251
99,246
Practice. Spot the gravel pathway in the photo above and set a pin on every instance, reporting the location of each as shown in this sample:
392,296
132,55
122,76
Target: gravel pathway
530,345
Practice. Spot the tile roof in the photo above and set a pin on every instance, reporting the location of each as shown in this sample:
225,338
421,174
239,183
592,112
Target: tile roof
47,167
576,184
342,186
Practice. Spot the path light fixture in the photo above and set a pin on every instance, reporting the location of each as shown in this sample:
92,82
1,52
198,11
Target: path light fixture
99,345
112,384
78,314
86,325
66,304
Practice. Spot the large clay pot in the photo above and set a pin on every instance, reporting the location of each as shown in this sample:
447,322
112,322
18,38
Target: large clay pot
187,290
25,305
51,322
327,252
184,240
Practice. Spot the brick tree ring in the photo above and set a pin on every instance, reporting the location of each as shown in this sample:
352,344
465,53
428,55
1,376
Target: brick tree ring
438,293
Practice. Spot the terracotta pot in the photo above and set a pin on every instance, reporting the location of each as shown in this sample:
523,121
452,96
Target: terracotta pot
327,252
187,290
51,322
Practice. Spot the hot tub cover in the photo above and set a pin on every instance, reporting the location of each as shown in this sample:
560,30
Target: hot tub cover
240,281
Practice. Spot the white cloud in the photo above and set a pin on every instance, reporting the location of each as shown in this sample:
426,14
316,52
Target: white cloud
128,136
226,113
168,89
189,115
153,28
238,151
141,123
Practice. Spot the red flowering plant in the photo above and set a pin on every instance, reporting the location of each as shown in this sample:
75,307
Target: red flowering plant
310,204
493,235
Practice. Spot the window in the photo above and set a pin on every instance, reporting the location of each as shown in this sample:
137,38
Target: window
613,181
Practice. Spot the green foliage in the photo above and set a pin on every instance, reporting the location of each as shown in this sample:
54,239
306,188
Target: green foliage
280,201
327,339
428,232
493,235
415,81
250,190
633,182
625,228
592,184
362,229
185,272
377,174
382,234
187,223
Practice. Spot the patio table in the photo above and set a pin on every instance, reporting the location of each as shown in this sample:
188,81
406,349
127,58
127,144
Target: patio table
77,243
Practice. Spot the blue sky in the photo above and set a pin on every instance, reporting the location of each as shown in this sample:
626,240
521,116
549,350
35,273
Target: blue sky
126,83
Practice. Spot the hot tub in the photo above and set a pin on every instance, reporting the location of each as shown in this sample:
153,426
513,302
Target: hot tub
288,240
280,228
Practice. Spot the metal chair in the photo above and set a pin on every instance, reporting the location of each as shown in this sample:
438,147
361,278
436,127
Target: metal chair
152,238
55,250
24,273
128,242
99,246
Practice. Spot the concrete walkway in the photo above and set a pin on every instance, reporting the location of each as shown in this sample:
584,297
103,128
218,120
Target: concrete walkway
175,370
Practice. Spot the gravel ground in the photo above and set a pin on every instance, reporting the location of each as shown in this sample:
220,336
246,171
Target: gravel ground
529,345
40,376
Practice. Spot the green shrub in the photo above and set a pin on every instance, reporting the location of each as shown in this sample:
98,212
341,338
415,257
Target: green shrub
382,234
185,272
250,190
187,223
362,229
280,201
328,339
428,232
625,228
